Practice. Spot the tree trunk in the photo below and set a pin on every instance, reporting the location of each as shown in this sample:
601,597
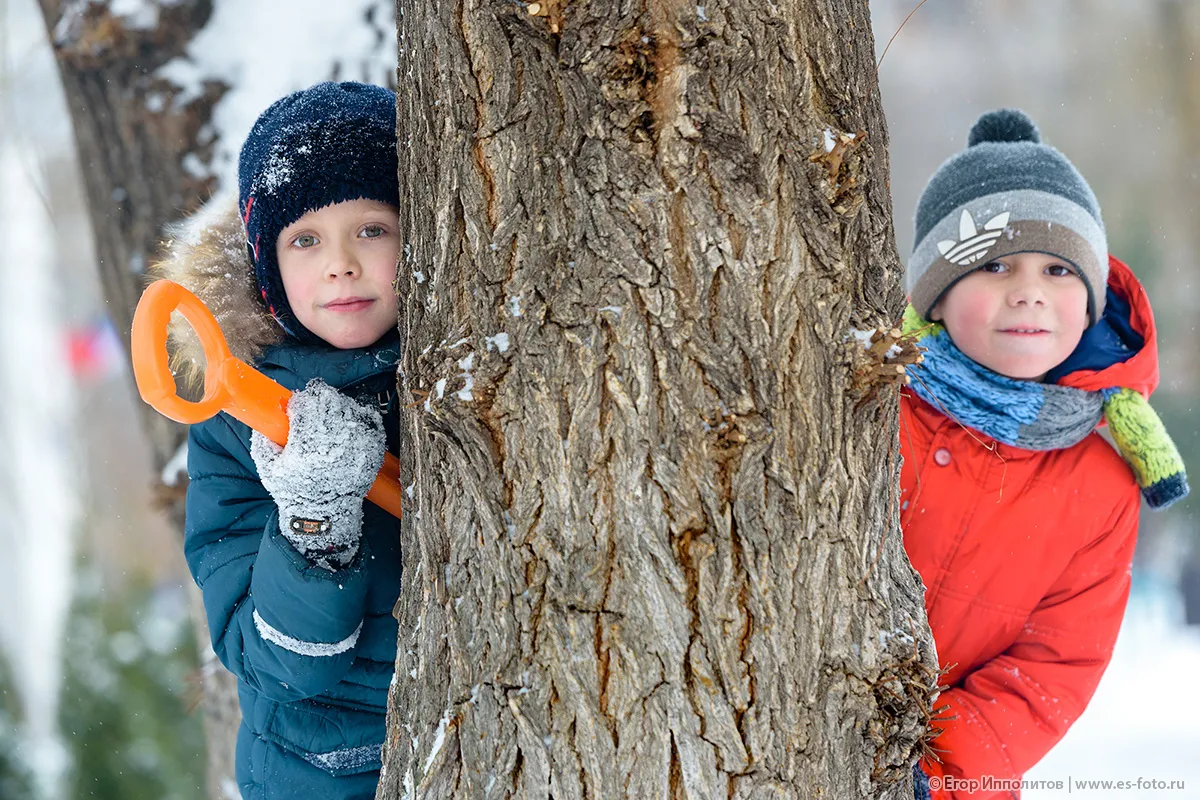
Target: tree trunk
135,183
651,540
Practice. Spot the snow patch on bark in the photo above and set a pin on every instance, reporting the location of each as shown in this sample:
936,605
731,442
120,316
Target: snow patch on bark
439,738
465,365
864,338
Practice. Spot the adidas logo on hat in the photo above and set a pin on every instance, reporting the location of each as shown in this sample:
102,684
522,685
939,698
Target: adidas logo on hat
972,244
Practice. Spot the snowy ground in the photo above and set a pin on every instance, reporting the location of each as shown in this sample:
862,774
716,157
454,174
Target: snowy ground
1144,721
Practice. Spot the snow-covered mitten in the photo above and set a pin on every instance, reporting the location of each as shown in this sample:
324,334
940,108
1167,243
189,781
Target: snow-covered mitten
334,450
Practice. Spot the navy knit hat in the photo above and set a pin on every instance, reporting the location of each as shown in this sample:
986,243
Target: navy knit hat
323,145
1006,193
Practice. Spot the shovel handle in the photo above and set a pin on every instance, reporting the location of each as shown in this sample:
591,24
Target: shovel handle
230,384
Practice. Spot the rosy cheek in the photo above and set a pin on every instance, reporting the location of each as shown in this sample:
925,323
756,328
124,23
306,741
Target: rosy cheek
977,307
969,306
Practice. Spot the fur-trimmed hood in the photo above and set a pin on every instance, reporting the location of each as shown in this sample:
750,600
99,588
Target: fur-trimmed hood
208,257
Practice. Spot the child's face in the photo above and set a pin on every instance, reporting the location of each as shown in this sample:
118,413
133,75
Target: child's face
1020,315
338,264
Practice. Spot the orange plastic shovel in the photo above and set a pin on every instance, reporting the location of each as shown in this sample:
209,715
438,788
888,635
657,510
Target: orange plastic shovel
230,384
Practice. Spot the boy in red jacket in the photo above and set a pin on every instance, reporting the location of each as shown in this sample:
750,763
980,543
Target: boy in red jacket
1019,517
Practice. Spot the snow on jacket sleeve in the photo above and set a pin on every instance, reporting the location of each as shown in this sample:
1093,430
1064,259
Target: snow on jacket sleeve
286,627
1013,709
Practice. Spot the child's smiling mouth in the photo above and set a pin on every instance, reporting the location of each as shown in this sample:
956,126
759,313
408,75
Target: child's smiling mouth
1024,331
348,304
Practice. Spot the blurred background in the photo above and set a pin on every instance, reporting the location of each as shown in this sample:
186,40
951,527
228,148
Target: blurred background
100,672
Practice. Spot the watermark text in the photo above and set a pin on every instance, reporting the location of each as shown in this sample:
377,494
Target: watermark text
990,783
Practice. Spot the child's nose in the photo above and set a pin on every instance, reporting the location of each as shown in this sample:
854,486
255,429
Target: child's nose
342,262
1027,292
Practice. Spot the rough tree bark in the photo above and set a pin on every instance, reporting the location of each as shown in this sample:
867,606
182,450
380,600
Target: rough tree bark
131,151
651,543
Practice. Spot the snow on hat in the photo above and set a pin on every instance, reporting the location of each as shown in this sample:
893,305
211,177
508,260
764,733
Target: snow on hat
323,145
1006,193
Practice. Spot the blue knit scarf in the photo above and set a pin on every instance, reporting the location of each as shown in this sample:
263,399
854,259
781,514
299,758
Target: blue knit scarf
1025,414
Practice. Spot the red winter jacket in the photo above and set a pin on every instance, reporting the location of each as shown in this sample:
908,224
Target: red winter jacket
1026,559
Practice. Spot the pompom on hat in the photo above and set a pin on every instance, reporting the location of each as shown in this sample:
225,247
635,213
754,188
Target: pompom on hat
1006,193
323,145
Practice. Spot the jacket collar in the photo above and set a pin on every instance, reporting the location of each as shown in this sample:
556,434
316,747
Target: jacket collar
1130,320
293,364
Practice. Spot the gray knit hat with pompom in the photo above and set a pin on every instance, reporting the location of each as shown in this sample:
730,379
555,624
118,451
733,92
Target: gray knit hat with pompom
1006,193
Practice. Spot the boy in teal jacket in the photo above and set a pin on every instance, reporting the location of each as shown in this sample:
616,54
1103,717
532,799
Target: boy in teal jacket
299,575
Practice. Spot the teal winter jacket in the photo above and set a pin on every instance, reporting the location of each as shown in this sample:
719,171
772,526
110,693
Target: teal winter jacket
313,650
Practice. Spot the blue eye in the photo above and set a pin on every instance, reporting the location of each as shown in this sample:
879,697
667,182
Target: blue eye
372,231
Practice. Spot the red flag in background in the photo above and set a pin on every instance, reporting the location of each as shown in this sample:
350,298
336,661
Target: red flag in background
93,350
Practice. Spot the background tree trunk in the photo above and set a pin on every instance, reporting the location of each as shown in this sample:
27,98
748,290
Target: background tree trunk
132,160
651,541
